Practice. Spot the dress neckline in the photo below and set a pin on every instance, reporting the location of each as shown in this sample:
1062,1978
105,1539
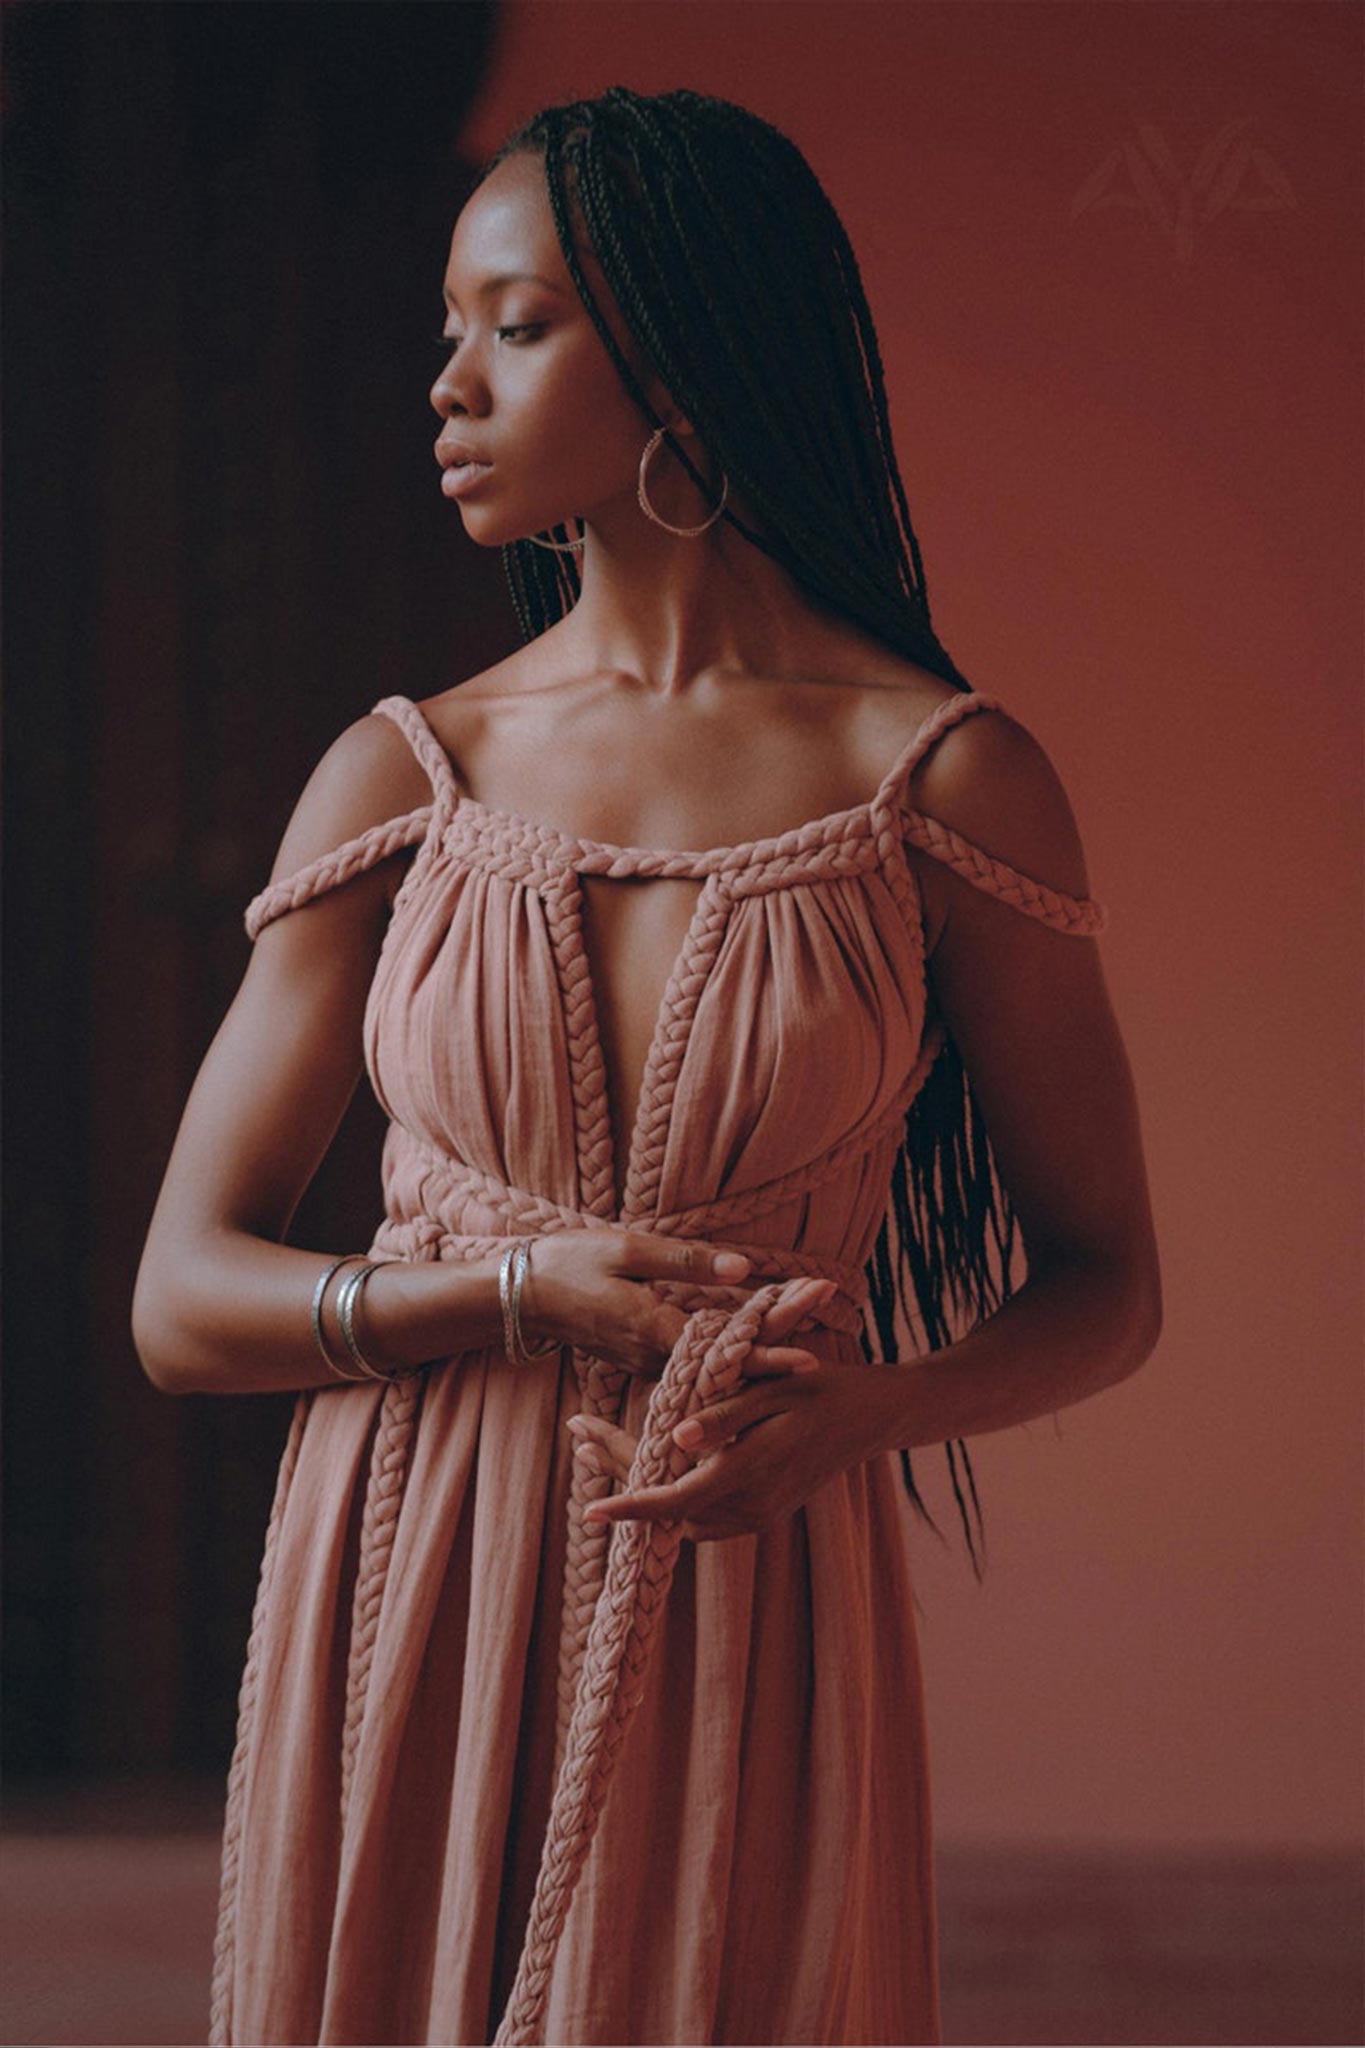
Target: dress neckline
852,821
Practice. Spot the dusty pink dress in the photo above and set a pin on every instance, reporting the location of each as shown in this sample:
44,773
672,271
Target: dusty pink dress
498,1777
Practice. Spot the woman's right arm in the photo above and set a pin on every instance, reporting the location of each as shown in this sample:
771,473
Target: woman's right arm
220,1305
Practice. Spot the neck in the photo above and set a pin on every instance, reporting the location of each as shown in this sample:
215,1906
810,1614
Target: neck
666,611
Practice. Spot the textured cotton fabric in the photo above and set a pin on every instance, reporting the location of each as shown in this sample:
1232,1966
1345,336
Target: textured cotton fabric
711,1756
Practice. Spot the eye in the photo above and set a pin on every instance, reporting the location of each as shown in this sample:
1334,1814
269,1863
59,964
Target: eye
448,342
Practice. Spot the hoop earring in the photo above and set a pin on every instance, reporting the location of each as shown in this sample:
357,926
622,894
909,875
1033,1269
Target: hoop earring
648,509
562,547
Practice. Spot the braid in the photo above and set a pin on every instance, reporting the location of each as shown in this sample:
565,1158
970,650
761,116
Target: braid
767,343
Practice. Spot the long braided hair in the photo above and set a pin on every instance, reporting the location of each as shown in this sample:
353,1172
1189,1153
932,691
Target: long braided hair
699,211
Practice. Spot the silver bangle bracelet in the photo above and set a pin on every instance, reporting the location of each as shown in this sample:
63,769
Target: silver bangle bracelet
550,1344
511,1276
319,1294
509,1335
347,1299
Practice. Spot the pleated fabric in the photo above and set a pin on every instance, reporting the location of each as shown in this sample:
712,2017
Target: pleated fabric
503,1777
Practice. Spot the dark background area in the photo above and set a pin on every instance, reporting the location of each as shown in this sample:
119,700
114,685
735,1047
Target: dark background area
225,231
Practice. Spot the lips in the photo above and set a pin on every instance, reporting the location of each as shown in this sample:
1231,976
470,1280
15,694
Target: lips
451,454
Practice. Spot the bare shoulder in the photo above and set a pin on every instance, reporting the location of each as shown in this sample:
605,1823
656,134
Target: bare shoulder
367,775
992,780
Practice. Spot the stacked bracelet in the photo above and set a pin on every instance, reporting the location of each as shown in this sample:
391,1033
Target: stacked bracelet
347,1298
318,1294
511,1274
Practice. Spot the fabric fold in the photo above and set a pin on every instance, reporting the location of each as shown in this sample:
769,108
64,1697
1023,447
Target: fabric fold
703,1367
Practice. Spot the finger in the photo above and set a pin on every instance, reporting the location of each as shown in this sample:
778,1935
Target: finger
655,1255
723,1421
597,1458
695,1489
786,1313
619,1441
765,1361
613,1448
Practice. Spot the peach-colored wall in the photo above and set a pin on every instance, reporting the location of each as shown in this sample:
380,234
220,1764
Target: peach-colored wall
1130,435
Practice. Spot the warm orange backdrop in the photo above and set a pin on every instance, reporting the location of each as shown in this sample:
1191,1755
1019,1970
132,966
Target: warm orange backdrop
1131,435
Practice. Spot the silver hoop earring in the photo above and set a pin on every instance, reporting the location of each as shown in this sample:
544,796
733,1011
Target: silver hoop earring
648,509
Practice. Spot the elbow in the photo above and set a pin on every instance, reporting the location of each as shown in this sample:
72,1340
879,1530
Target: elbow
1119,1301
152,1329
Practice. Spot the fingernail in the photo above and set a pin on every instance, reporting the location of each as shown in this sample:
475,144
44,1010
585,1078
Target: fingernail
806,1364
587,1452
577,1424
687,1432
730,1265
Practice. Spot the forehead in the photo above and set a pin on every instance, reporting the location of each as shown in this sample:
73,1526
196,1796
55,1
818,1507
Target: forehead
505,231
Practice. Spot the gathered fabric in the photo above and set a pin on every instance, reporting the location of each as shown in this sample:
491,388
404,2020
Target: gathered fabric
504,1776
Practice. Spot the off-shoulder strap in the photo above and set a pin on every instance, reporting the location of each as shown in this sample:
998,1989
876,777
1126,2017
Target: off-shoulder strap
1081,916
367,848
330,869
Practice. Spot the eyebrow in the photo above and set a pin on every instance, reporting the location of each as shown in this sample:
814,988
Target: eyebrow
490,284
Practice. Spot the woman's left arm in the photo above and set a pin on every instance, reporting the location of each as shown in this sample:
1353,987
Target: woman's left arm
1030,1011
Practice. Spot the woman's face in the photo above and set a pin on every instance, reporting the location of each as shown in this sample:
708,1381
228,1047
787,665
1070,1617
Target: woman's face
529,387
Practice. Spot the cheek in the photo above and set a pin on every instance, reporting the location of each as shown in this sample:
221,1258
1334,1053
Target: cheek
583,416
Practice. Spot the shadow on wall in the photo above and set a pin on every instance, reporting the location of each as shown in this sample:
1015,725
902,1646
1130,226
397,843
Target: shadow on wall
226,230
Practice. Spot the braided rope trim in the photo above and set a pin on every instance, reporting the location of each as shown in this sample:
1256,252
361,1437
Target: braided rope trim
760,1200
420,1237
703,1366
602,1389
601,1385
448,1183
540,854
673,1028
329,870
412,723
523,848
1080,916
367,848
587,1067
225,1936
379,1526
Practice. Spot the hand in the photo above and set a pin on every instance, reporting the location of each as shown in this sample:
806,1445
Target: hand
592,1288
761,1451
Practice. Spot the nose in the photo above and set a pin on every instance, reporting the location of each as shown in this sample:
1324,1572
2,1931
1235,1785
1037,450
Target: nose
446,400
443,394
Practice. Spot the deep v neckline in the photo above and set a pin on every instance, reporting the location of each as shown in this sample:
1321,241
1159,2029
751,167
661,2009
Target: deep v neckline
566,856
688,972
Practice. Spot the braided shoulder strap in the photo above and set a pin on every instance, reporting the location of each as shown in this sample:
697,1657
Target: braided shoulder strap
367,848
1080,916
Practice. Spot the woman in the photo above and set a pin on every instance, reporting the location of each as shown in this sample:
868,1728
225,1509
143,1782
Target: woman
505,1771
